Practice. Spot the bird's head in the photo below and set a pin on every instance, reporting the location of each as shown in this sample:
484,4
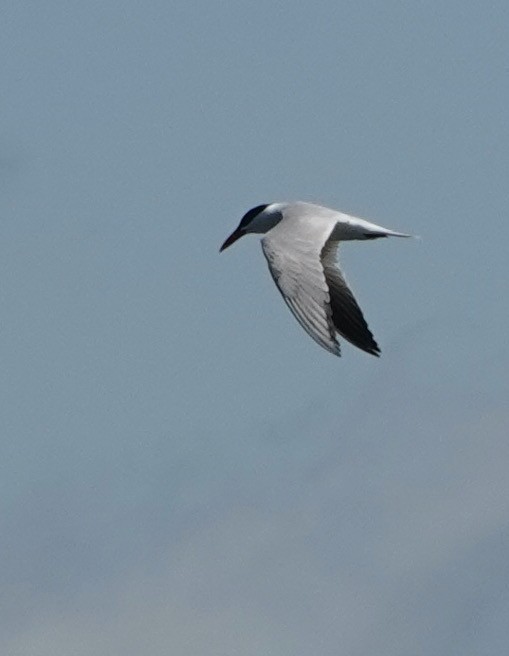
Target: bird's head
260,219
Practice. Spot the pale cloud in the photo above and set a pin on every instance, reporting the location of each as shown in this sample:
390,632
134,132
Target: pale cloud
411,577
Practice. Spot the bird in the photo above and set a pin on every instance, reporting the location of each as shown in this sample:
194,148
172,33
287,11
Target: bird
300,245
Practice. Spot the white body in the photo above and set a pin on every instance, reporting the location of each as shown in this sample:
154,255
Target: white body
313,218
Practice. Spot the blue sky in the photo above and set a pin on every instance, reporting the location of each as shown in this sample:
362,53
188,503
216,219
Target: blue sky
183,470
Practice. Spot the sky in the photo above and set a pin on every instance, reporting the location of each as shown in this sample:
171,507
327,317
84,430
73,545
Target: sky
183,471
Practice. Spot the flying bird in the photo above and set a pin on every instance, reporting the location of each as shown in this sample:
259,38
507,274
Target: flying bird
300,245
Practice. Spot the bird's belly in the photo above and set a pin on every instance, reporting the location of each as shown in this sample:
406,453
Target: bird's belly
346,230
352,228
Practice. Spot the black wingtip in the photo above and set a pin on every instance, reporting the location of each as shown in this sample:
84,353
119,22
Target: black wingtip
373,348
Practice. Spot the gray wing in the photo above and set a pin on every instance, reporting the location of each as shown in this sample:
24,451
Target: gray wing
305,272
298,272
346,314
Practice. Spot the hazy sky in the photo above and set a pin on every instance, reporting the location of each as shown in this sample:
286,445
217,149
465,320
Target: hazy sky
183,471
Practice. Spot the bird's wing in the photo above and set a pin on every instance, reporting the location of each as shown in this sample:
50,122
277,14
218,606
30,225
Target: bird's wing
347,316
296,267
302,261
